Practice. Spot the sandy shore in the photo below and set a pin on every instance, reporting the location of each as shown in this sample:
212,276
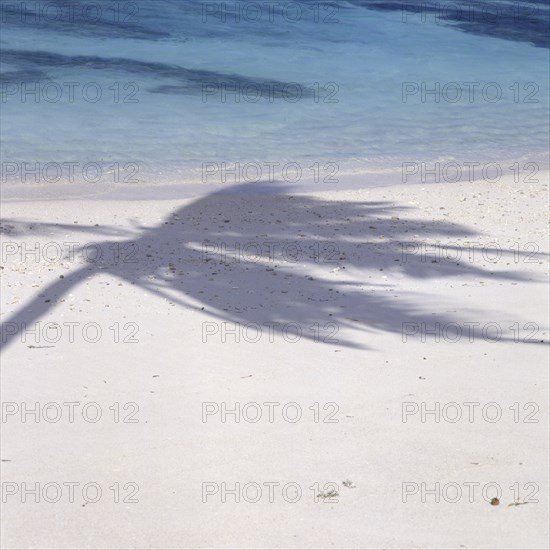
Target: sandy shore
332,322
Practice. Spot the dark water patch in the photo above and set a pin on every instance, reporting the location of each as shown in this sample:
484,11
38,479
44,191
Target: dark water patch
519,21
71,19
189,81
253,90
18,77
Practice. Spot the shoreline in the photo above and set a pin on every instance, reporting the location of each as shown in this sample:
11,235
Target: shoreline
327,177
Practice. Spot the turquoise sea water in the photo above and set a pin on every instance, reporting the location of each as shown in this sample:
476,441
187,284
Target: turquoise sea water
180,91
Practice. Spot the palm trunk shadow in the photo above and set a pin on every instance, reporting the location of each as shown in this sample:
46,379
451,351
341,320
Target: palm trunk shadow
37,307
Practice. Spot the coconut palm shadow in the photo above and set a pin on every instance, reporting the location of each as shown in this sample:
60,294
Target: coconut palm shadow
292,261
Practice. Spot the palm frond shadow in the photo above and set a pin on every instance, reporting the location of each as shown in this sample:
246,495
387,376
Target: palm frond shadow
293,252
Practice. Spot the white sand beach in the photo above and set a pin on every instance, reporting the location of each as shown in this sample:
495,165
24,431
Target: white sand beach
331,322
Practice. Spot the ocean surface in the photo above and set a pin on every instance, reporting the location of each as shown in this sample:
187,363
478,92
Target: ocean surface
149,92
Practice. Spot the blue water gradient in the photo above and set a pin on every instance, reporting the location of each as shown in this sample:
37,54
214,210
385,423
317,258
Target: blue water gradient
334,83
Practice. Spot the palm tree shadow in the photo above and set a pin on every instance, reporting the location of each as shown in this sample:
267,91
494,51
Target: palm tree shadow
291,262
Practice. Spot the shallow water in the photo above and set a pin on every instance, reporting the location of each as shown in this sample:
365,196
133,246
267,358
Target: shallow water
187,92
